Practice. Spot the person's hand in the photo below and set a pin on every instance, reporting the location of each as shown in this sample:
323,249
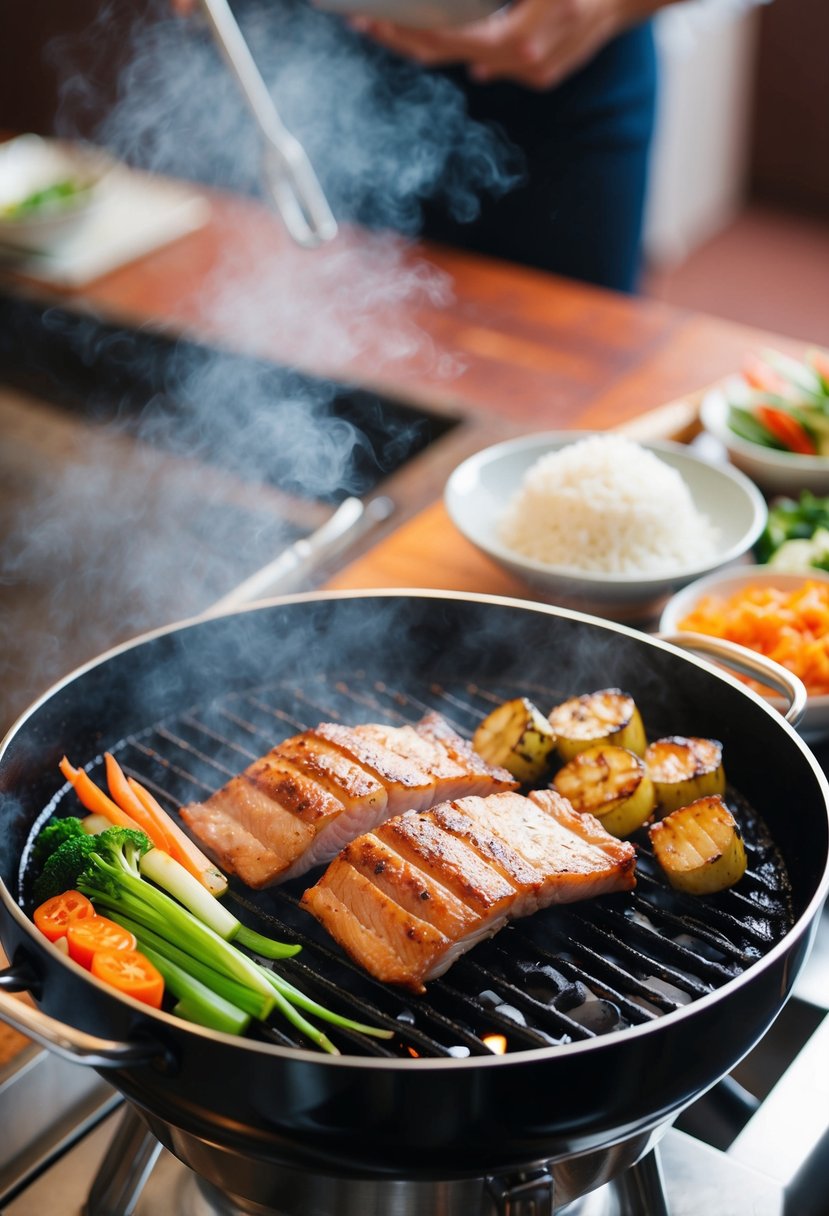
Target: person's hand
534,42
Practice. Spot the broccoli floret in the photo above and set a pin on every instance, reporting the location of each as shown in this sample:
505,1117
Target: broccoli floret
83,860
64,867
120,850
53,836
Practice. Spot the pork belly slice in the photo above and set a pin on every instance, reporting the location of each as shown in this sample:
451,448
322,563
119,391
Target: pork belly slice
405,901
399,924
546,849
417,765
314,792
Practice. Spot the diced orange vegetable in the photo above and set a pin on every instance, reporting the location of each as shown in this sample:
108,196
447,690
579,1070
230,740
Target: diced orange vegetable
91,934
54,916
93,798
180,846
789,626
131,973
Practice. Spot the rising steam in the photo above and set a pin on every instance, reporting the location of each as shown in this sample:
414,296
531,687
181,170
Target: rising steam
110,542
382,134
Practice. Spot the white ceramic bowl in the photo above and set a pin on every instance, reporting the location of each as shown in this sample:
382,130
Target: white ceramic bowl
774,471
30,164
815,722
478,491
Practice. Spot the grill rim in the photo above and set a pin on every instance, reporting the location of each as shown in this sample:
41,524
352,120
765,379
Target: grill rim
804,923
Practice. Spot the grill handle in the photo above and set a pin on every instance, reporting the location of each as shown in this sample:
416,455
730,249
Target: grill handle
746,663
73,1045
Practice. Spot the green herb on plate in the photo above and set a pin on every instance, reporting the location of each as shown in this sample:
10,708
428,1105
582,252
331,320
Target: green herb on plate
50,198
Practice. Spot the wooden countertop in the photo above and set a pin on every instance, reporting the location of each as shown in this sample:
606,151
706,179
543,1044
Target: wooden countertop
499,348
451,330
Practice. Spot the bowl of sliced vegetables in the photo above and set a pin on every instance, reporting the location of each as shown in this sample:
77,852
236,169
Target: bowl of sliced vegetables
782,615
48,188
773,420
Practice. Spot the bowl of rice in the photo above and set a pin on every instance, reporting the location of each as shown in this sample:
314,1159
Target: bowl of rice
600,523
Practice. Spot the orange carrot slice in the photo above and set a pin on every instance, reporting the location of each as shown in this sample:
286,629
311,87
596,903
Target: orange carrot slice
93,798
129,802
181,847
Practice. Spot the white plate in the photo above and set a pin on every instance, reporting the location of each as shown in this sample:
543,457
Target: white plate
478,491
815,722
774,471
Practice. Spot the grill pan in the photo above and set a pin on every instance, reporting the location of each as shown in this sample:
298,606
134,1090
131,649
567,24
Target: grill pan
616,1013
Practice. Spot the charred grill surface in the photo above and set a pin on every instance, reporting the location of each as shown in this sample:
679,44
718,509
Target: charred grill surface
564,975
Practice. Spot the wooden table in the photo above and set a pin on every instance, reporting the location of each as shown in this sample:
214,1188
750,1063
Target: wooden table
461,333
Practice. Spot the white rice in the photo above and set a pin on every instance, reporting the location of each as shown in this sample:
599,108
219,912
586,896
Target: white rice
605,504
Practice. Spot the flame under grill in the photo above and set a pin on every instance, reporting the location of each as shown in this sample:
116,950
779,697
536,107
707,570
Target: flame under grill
567,974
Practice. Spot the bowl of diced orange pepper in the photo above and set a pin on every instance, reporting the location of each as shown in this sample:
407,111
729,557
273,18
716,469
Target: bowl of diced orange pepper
780,615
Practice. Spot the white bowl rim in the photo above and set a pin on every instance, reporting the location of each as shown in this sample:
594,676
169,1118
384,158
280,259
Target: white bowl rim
738,576
592,578
712,416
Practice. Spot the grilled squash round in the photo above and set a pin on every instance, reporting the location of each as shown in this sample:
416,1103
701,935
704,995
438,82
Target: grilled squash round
699,847
684,769
516,736
607,716
611,783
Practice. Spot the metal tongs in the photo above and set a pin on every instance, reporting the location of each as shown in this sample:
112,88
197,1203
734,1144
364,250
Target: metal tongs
287,170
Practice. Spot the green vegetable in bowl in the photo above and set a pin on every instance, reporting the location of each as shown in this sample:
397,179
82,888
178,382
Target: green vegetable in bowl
793,521
800,556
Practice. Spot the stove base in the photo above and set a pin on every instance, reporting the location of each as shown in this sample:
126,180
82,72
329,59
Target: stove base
697,1179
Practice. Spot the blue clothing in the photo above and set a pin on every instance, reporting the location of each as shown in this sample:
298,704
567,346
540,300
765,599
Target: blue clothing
585,147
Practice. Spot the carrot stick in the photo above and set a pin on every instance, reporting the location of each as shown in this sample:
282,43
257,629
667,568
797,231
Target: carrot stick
181,847
131,805
94,799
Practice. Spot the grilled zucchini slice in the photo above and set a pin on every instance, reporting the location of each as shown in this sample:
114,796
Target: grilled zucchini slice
516,736
699,847
683,769
611,783
607,716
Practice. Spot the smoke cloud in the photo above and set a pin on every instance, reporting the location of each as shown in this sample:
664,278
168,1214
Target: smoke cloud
382,134
107,540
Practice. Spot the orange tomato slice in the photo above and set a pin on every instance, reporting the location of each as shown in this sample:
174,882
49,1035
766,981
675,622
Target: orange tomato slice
87,937
131,973
54,916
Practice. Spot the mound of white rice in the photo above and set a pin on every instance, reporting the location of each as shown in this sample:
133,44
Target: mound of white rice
605,504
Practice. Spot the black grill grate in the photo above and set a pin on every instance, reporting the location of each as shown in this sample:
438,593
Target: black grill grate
567,974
